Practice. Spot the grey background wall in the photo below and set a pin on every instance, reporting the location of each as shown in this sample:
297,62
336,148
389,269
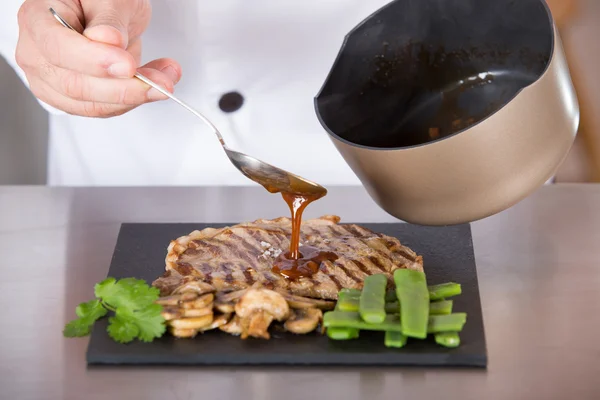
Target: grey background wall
23,132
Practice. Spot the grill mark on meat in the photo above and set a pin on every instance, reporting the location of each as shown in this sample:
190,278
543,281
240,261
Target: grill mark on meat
191,251
214,250
185,268
257,235
347,271
313,231
254,234
313,281
406,255
274,239
247,245
351,229
397,248
227,268
375,261
361,266
248,276
332,229
331,276
206,271
373,246
239,253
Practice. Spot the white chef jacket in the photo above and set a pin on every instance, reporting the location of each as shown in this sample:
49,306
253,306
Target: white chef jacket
276,54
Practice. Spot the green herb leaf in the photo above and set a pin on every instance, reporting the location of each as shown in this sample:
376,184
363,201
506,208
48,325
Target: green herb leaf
77,328
128,293
136,315
149,321
122,330
92,309
88,313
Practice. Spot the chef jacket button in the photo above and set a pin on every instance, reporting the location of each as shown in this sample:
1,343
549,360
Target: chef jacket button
231,102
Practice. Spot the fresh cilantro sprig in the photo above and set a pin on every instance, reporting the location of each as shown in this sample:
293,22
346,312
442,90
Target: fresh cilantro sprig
134,313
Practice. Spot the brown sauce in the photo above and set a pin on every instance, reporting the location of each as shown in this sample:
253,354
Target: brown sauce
306,265
294,264
297,204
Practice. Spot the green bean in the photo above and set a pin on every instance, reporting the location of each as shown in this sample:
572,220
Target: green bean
447,339
443,307
349,292
347,301
444,290
371,305
350,319
446,323
394,339
350,304
339,333
435,308
411,289
436,292
346,304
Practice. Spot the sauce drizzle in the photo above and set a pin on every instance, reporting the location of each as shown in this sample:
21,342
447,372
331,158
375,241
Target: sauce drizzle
294,264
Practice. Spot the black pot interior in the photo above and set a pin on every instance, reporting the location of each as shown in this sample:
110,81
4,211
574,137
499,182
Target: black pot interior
418,71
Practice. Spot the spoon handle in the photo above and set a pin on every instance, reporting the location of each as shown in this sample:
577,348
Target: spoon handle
154,85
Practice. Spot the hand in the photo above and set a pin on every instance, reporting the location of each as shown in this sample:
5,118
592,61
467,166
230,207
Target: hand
90,75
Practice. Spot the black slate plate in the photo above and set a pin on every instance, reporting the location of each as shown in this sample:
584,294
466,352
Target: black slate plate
448,256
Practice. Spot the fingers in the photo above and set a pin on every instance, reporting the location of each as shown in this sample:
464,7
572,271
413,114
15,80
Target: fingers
135,49
167,66
115,22
106,24
66,49
81,108
111,90
90,76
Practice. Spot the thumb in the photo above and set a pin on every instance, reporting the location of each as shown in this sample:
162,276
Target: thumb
106,23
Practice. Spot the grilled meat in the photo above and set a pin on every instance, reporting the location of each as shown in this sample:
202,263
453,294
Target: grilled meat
239,256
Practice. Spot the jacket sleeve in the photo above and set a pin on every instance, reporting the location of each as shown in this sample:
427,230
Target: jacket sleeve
9,35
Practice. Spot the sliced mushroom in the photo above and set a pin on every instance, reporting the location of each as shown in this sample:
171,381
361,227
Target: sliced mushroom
257,308
201,302
170,313
256,325
230,296
183,333
188,296
197,287
298,302
225,308
233,327
218,321
304,320
262,300
168,301
196,312
192,323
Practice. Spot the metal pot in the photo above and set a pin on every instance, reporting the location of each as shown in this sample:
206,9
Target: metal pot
450,111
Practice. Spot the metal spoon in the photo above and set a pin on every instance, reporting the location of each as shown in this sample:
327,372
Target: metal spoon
272,178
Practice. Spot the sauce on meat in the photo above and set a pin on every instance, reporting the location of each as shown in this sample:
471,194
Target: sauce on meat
296,264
